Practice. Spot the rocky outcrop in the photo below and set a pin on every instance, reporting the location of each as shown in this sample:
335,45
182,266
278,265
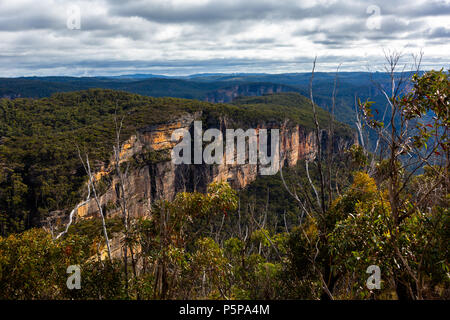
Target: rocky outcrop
228,94
153,176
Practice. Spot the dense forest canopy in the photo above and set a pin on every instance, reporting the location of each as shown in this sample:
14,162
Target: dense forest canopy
351,84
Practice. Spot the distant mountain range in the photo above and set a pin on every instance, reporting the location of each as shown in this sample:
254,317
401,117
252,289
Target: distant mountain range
215,87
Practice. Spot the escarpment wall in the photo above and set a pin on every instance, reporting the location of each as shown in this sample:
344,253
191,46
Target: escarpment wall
152,175
228,94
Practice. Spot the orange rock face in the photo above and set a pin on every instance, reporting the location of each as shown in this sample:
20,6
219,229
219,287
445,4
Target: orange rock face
148,181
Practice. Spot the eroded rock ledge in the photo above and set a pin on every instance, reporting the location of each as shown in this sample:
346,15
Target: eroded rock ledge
153,176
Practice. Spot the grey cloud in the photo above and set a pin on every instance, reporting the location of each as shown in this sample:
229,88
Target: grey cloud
440,32
217,11
353,30
35,38
407,9
30,20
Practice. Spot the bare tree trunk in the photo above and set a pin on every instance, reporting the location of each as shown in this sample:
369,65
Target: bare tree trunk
123,197
318,139
87,168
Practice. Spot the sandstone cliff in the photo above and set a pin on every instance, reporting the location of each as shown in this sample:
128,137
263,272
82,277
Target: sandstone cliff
152,175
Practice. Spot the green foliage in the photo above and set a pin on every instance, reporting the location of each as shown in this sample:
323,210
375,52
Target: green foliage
361,235
366,236
33,266
358,157
431,94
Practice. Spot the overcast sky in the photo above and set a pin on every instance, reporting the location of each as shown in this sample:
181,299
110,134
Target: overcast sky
179,37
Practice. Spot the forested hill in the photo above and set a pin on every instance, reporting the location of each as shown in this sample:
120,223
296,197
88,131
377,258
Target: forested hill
217,88
37,87
40,169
